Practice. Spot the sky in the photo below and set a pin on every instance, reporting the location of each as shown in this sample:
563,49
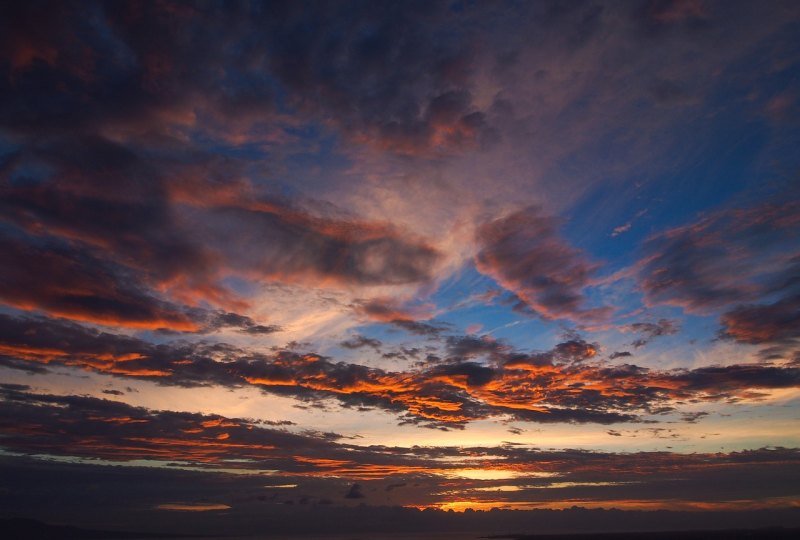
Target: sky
328,256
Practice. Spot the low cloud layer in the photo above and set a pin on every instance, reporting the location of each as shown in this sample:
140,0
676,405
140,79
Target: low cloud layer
323,470
477,379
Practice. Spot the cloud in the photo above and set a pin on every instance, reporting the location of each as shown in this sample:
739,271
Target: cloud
292,246
564,384
129,255
774,324
741,262
354,492
115,164
651,330
524,253
123,432
764,323
408,318
88,432
68,281
375,94
461,348
359,341
145,233
723,259
619,354
621,229
243,323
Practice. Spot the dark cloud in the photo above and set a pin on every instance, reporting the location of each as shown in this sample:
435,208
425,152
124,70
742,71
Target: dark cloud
525,254
773,325
405,353
243,323
354,492
724,259
131,252
730,379
465,347
120,432
651,330
692,418
474,374
356,65
758,324
407,318
68,281
574,350
359,341
290,245
518,305
742,261
101,186
619,354
375,94
421,328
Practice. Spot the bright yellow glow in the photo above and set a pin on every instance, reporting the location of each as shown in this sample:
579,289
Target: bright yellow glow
560,485
483,474
622,504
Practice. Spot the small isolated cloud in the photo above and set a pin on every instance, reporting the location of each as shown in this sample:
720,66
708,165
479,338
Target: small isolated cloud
651,330
413,319
619,354
355,492
621,229
359,342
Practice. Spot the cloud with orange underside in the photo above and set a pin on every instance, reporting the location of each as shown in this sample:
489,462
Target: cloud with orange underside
457,477
565,384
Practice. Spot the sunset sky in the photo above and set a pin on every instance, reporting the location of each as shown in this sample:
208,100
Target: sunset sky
425,254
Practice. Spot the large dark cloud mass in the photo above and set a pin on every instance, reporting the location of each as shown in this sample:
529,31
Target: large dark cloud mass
140,222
